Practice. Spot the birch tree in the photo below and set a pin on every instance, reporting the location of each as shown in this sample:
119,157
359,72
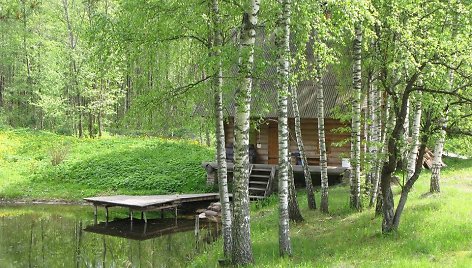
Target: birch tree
322,140
242,248
282,36
402,78
355,182
220,135
414,145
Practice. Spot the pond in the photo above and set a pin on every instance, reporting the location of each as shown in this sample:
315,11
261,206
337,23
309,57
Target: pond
68,236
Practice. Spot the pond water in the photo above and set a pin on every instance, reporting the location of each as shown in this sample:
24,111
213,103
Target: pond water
67,236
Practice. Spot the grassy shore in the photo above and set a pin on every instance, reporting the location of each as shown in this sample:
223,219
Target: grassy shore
435,230
37,165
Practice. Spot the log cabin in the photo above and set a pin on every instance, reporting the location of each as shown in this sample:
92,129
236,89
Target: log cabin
263,138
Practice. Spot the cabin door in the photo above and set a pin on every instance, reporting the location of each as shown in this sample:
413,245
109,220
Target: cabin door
273,146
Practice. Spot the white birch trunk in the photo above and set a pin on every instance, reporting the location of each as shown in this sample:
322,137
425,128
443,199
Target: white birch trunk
389,120
378,139
220,137
283,46
355,197
437,160
322,140
242,248
415,134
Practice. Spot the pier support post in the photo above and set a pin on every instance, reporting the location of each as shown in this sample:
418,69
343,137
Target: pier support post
175,215
95,213
106,214
197,230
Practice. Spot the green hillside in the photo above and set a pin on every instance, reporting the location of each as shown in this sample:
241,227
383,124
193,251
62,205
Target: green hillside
42,165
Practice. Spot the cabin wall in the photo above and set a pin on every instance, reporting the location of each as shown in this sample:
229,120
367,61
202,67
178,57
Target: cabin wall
268,129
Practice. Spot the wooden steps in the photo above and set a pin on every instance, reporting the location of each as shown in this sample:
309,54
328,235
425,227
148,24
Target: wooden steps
260,182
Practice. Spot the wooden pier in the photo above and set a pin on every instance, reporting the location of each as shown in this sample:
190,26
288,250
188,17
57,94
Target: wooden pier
148,202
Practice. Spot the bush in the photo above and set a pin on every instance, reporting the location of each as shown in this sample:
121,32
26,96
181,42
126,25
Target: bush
58,154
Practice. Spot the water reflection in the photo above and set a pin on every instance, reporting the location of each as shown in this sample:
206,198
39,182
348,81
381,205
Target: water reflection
66,236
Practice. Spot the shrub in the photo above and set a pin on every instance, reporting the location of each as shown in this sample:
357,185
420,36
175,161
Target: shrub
58,154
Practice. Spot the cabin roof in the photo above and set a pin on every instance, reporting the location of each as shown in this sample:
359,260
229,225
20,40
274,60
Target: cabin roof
264,97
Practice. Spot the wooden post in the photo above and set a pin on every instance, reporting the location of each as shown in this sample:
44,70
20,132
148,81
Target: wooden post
197,230
95,213
175,215
106,214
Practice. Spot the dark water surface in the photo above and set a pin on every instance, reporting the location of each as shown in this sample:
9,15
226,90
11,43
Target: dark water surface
67,236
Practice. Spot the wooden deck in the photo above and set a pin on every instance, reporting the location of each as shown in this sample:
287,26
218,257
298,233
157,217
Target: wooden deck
148,202
332,170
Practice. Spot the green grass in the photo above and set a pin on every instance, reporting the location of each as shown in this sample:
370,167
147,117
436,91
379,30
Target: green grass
110,165
435,230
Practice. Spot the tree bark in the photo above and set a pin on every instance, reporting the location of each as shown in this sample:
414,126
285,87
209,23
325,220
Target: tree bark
80,126
293,207
220,137
282,37
437,160
322,140
415,132
393,154
438,148
242,248
411,181
355,197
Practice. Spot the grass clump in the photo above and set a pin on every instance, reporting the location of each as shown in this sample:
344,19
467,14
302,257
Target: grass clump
42,165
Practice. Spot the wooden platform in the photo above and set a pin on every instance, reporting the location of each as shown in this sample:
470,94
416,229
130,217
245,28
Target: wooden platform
332,170
148,202
141,231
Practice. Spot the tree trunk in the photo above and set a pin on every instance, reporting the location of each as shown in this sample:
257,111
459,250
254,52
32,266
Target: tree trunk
80,126
282,37
415,133
90,125
437,160
393,154
438,148
242,248
411,181
220,137
2,86
355,197
293,207
322,140
301,148
388,118
99,122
